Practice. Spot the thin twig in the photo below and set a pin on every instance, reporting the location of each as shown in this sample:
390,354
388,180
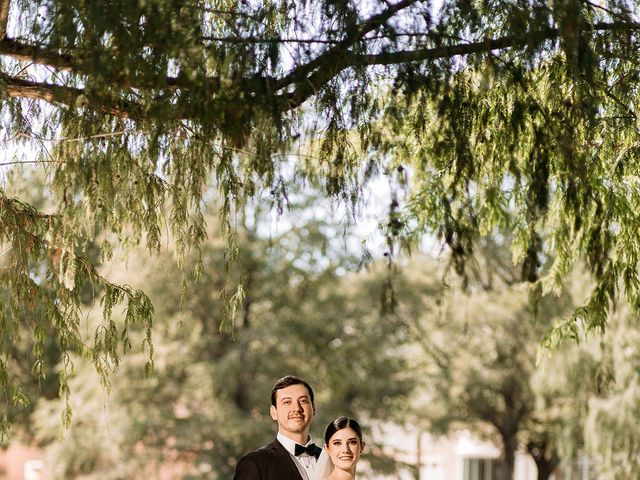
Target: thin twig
237,40
610,12
23,162
23,69
124,132
75,139
229,12
120,133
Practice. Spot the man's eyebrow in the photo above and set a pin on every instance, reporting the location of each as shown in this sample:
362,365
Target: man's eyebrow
289,397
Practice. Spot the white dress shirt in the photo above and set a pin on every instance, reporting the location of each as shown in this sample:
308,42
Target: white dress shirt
306,463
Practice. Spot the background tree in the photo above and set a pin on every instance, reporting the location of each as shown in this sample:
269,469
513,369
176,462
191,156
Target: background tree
613,412
27,341
206,402
564,386
478,358
487,386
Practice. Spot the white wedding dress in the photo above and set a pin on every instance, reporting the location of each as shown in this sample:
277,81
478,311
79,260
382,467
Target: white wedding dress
324,466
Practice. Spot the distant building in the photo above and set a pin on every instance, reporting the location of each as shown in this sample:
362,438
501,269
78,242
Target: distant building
19,462
458,456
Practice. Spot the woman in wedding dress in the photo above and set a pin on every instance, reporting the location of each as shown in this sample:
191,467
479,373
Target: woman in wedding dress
341,452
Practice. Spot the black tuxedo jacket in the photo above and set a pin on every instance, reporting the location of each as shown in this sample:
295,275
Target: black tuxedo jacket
271,462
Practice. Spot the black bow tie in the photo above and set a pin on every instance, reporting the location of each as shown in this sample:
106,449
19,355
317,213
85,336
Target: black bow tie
311,449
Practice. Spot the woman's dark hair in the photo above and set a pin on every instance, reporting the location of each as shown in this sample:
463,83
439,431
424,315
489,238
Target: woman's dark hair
340,423
287,382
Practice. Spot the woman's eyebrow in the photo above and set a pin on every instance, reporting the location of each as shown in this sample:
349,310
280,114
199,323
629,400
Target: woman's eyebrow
348,439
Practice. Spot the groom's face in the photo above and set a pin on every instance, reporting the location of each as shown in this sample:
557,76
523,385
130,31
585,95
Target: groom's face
293,410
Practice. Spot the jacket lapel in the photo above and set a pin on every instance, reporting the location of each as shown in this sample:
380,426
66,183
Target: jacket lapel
285,461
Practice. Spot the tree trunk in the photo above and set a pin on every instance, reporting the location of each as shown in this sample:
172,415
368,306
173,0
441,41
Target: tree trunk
545,457
507,463
418,456
545,469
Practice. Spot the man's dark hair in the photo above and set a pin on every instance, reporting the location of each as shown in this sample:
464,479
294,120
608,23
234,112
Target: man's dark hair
287,381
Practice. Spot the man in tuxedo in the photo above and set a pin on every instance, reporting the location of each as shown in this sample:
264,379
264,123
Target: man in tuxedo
291,456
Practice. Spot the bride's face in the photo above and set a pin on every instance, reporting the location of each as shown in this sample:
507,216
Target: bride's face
345,448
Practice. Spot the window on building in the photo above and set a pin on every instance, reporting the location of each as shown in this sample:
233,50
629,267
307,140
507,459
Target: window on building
33,469
480,469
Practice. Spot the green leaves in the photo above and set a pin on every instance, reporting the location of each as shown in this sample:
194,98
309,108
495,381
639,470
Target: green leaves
498,115
295,282
43,278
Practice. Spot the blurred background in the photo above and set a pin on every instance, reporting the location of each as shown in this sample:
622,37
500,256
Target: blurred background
445,372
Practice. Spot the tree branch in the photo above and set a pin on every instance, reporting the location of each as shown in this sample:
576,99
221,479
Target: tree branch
353,35
76,64
333,66
37,54
604,9
70,96
309,86
306,79
4,17
25,211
